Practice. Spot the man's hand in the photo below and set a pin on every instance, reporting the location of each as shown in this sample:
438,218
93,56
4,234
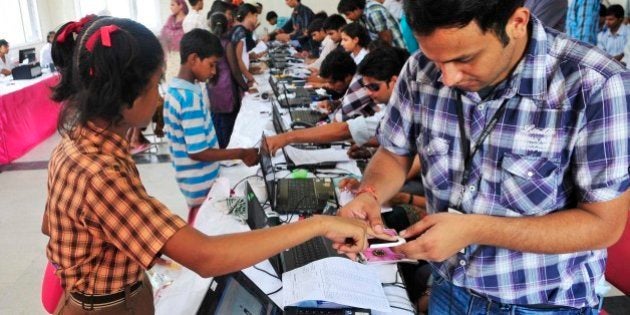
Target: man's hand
364,207
249,157
325,106
439,236
349,183
359,152
274,143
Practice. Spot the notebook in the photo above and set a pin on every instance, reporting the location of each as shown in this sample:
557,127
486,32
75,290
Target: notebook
290,195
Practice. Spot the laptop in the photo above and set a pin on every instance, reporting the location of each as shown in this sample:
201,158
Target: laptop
304,117
298,256
292,195
236,294
301,101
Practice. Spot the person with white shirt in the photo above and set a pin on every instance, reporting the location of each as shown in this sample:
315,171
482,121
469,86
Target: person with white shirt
355,39
317,33
45,58
6,64
615,38
395,7
195,19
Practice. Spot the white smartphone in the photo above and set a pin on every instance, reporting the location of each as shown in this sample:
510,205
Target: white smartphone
379,243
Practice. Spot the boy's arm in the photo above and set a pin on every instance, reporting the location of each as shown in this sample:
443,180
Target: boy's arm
320,134
248,156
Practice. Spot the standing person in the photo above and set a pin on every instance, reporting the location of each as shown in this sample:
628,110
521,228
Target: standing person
226,89
45,58
241,38
224,7
296,27
171,35
614,39
552,13
375,17
582,20
526,184
194,19
104,229
192,138
6,64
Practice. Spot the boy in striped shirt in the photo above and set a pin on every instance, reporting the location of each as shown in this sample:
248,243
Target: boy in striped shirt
192,139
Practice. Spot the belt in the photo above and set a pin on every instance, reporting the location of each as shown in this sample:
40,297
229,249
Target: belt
99,299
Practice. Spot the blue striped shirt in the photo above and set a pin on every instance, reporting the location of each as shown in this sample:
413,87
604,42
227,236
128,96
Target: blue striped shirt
583,20
189,129
564,138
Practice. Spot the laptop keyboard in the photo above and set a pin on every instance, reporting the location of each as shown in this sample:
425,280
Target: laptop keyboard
306,116
302,195
306,253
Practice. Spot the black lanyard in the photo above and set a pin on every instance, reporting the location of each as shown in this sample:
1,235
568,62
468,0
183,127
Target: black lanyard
465,142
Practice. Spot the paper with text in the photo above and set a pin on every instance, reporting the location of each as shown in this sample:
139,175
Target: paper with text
304,157
337,280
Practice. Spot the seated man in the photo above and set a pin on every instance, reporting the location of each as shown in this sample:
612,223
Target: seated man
337,71
614,39
5,61
380,70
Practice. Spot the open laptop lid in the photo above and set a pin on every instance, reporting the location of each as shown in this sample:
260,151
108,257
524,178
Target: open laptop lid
274,87
278,122
266,166
235,293
256,217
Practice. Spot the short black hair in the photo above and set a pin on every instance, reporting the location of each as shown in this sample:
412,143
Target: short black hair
320,15
271,15
3,42
102,81
615,10
383,63
315,26
334,22
337,66
243,10
218,23
357,30
425,16
200,42
350,5
602,10
193,2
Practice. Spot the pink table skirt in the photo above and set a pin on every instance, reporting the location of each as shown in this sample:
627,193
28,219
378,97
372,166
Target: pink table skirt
27,117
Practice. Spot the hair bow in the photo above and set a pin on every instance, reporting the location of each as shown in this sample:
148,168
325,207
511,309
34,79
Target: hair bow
104,33
74,28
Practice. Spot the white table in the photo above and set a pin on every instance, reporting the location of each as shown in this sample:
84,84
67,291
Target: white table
186,292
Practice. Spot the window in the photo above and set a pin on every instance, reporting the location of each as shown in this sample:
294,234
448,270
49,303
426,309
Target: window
146,12
20,22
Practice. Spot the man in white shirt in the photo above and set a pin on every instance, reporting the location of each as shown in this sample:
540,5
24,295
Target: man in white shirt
5,61
45,58
317,33
614,39
380,71
194,19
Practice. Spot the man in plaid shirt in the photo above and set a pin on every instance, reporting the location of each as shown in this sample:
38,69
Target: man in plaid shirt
376,18
523,136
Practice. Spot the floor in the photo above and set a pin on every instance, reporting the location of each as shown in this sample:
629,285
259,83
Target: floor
22,200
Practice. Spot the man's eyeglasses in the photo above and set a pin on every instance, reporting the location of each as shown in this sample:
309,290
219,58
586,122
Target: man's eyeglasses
374,87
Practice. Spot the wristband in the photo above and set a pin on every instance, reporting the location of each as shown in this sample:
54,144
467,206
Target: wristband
368,189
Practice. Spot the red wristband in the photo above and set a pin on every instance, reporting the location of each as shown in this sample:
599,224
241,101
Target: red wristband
368,189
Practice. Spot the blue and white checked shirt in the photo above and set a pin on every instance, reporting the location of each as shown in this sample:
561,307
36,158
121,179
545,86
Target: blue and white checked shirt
563,139
583,20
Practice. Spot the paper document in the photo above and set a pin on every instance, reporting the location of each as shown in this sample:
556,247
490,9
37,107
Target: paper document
304,157
337,280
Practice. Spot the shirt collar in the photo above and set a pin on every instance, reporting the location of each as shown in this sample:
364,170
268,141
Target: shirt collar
183,84
103,140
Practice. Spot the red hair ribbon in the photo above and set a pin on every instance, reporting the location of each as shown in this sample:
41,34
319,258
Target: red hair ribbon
104,33
74,28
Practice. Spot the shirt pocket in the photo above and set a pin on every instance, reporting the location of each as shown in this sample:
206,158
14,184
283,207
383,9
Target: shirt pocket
529,185
436,163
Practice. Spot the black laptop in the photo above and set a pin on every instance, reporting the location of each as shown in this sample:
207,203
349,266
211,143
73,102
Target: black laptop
298,256
236,294
292,195
300,100
304,117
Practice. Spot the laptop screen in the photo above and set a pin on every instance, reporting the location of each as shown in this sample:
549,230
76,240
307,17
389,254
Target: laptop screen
266,165
256,217
237,294
278,123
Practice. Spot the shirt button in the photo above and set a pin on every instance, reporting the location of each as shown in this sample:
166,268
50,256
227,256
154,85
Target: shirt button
472,188
530,173
462,263
480,107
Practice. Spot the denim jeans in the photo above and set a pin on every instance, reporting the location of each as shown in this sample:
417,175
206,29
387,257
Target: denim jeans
447,298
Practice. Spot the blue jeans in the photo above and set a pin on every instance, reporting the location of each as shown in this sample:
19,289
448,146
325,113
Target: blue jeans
447,298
